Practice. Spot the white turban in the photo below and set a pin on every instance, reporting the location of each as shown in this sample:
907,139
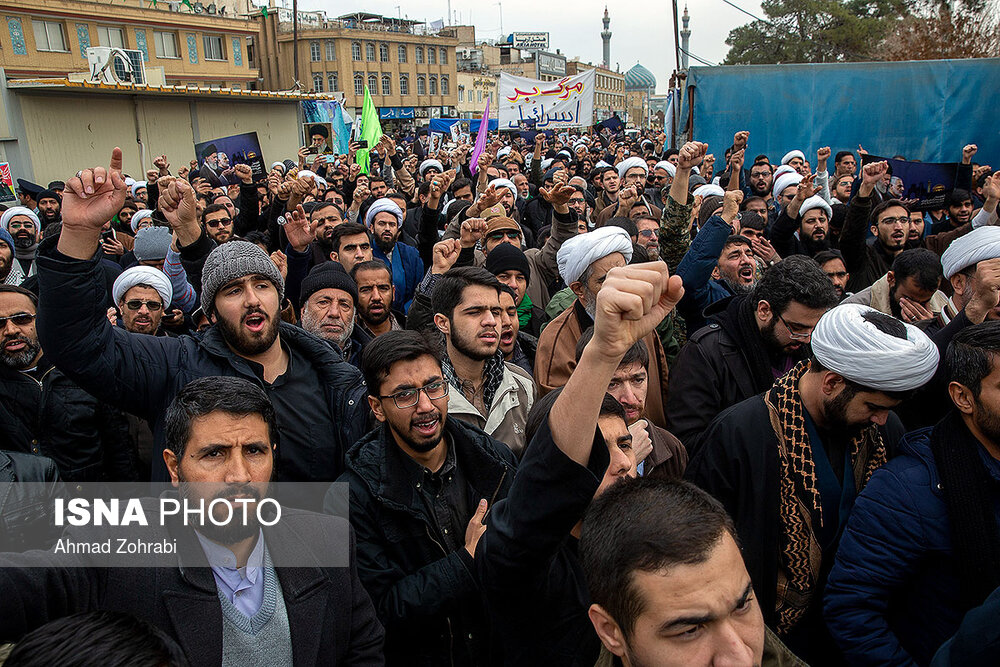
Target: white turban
848,345
580,144
383,205
785,181
631,163
129,181
708,190
978,245
278,164
783,169
136,186
427,164
791,155
546,163
601,164
816,202
667,167
143,275
138,217
305,173
582,250
18,210
504,183
503,152
696,170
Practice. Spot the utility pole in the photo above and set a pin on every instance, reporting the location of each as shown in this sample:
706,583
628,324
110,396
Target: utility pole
295,38
677,39
500,5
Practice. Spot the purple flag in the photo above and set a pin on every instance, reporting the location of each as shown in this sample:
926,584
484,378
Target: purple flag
484,126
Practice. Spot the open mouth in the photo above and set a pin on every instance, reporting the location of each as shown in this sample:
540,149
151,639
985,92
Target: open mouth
746,274
255,322
898,236
428,426
507,337
15,345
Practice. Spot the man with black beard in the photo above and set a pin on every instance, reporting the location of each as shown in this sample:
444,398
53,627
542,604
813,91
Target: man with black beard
314,391
7,274
49,207
493,394
26,230
227,599
420,487
375,291
803,227
909,291
43,412
750,340
384,220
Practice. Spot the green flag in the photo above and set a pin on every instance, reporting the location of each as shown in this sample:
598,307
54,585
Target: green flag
371,130
263,11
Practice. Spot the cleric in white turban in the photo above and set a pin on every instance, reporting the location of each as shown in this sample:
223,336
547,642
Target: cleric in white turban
430,164
666,166
965,251
848,344
579,252
709,190
783,182
148,276
791,155
631,163
383,205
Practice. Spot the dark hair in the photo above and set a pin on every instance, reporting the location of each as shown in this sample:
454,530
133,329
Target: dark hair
347,229
262,237
958,196
231,395
886,324
638,353
370,265
628,224
752,220
762,159
459,184
921,264
50,230
745,202
881,208
507,289
450,287
796,278
841,155
17,289
393,346
645,525
373,179
424,188
970,355
736,239
824,256
213,208
105,638
610,407
320,204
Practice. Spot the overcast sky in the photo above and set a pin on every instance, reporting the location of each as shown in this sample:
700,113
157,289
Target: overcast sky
639,34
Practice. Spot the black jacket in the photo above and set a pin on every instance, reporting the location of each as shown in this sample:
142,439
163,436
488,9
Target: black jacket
330,616
88,440
428,599
866,262
141,374
529,564
24,507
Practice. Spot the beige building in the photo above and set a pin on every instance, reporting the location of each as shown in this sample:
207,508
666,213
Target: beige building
473,90
51,38
609,97
410,75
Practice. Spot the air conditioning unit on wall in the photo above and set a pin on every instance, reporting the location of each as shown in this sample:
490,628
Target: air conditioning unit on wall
114,65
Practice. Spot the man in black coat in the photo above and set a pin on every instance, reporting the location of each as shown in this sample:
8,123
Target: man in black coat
219,600
527,559
420,486
749,341
787,465
318,396
43,412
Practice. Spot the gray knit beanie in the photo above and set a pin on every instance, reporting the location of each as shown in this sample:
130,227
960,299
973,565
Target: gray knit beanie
233,260
152,243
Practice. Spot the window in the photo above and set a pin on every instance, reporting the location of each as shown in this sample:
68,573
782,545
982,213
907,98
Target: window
386,84
314,52
444,56
383,53
431,55
331,82
404,84
373,83
480,95
421,85
355,50
359,84
401,53
434,85
461,94
213,47
420,55
444,85
317,83
250,51
370,52
331,50
49,36
114,37
166,44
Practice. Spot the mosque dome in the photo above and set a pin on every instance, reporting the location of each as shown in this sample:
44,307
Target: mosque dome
639,78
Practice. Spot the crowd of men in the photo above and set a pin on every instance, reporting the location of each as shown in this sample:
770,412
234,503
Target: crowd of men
595,402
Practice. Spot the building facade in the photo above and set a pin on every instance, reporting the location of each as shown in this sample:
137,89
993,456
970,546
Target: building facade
473,91
609,96
409,75
640,85
50,38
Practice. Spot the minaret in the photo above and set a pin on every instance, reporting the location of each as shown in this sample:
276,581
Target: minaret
606,38
685,38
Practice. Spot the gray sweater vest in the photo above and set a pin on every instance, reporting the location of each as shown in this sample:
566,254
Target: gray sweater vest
264,638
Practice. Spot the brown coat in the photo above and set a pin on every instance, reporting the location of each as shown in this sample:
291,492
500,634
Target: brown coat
555,360
669,456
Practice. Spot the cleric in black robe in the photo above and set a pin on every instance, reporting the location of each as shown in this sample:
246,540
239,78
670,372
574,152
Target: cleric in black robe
788,464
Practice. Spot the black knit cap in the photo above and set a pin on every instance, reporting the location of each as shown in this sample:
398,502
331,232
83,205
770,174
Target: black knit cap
506,257
328,275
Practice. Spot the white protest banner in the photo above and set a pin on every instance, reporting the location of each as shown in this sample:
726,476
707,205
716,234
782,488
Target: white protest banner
530,104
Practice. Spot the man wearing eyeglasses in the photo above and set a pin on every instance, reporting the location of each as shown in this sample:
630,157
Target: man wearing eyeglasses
218,223
45,413
420,487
